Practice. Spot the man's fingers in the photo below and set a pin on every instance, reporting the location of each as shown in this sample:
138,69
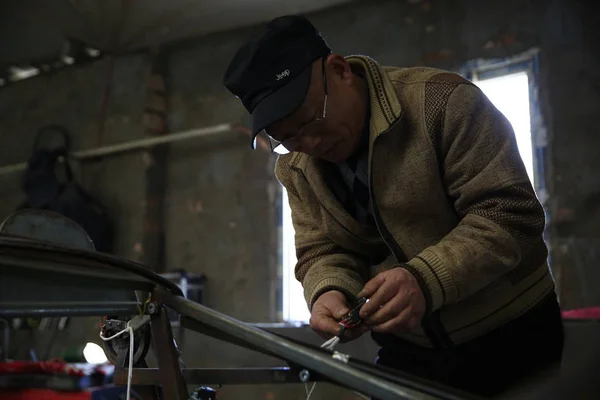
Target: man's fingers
372,286
325,325
326,313
341,312
368,291
402,321
332,304
384,293
389,310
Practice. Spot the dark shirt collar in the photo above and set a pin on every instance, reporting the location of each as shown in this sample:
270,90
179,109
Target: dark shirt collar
364,140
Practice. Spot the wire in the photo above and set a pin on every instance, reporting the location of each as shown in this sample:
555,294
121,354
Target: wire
182,363
331,343
128,329
309,392
142,310
328,345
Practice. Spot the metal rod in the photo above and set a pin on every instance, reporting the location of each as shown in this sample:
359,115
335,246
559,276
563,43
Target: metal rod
171,379
323,363
39,310
519,58
191,324
135,145
216,376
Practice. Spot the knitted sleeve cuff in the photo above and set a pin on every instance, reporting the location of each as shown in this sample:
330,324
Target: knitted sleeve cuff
342,283
434,278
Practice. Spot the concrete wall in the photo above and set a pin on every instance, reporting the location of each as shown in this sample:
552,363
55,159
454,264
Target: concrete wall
76,98
571,95
221,197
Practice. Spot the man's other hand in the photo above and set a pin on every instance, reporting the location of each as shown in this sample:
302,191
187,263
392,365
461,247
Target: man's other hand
396,303
327,311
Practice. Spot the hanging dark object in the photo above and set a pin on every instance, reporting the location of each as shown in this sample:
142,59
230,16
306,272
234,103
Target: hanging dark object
49,184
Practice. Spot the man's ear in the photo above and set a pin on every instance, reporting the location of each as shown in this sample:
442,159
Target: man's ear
337,65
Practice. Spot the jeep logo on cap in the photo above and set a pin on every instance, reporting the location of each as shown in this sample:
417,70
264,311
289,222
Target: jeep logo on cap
282,75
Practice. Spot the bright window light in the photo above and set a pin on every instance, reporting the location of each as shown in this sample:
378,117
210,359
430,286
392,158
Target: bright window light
94,354
294,305
509,93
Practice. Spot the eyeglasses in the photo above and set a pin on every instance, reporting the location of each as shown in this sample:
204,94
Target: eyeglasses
313,128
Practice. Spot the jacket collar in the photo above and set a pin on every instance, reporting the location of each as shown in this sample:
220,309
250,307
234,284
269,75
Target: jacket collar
385,108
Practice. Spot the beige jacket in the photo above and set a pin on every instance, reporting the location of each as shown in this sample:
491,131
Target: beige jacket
452,201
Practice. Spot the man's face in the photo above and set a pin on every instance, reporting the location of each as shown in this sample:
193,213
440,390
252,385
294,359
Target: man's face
326,127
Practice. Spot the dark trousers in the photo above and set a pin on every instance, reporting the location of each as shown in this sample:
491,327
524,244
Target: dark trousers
491,364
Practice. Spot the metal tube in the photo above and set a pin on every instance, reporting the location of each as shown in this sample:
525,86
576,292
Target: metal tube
216,376
389,374
171,378
40,310
192,324
152,141
323,364
135,145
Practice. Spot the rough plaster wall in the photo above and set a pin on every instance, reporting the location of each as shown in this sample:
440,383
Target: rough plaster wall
219,193
435,33
73,98
220,199
571,60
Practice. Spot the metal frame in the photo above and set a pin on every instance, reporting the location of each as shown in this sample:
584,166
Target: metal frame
76,275
309,364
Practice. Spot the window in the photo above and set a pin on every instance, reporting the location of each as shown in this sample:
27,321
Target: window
294,308
508,85
510,94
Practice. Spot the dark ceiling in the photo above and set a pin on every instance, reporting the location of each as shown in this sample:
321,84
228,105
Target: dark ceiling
37,30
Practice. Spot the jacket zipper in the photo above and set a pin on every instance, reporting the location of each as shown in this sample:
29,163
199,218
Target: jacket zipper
431,323
348,231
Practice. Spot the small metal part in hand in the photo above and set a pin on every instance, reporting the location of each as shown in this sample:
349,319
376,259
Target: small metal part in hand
352,319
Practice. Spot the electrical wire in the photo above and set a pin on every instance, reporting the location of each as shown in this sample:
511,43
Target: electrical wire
328,345
131,344
331,343
309,392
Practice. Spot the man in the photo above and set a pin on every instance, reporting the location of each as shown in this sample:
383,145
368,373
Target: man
406,187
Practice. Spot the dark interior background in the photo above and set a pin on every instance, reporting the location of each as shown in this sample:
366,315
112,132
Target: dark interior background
221,200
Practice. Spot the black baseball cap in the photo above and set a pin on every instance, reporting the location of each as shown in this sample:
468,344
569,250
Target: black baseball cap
271,72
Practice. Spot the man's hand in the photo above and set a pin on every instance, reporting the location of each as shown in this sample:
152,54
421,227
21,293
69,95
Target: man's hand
327,311
396,303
